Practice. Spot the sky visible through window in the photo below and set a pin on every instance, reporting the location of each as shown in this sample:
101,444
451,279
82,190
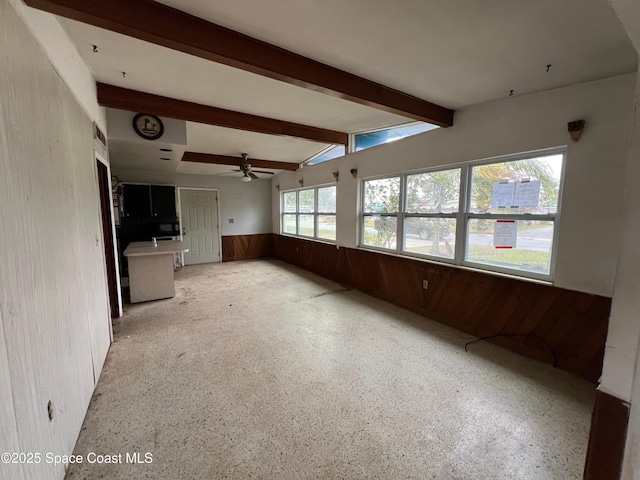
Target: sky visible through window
371,139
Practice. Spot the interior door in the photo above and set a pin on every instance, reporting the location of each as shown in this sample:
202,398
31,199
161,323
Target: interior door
200,228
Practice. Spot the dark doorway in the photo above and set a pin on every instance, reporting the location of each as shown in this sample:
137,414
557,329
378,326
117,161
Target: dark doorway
105,215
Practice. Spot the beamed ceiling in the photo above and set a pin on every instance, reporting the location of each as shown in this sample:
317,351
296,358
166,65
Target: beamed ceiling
284,79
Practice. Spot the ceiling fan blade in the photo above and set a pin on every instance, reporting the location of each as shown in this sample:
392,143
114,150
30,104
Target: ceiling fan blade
253,175
261,171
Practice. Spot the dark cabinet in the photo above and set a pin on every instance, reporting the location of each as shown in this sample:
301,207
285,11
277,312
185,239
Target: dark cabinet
136,201
163,201
149,211
144,202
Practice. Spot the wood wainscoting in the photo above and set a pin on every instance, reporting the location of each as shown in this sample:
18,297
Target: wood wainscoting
246,247
551,324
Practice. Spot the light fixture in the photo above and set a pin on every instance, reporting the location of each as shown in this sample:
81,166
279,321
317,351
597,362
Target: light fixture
246,178
575,129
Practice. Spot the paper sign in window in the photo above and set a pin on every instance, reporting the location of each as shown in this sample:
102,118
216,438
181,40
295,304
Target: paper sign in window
527,194
505,234
502,194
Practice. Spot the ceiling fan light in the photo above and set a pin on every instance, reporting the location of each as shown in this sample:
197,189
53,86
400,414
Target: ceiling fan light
246,178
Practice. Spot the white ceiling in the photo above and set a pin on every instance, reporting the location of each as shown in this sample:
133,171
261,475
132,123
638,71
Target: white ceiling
455,53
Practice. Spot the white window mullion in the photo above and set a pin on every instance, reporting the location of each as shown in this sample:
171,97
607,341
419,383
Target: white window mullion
400,216
298,212
461,217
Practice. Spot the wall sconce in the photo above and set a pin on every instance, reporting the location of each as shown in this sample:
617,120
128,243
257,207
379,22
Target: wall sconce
301,182
336,175
278,187
354,172
575,129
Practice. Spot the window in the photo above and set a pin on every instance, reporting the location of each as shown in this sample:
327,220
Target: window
492,215
432,202
310,212
366,140
380,212
326,154
512,212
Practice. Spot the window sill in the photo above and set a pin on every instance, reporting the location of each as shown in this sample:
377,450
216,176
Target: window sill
450,263
312,239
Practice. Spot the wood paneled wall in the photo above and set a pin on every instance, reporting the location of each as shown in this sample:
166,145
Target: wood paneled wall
246,247
551,324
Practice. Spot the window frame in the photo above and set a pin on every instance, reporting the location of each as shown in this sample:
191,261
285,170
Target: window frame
364,213
464,215
352,136
315,213
454,215
324,151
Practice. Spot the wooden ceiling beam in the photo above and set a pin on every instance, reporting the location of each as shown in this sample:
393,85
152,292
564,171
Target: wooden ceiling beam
236,161
163,25
135,101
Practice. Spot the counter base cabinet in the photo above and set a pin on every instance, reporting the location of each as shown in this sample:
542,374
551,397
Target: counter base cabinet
151,269
151,277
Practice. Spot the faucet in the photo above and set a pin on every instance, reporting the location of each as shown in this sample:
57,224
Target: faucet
154,240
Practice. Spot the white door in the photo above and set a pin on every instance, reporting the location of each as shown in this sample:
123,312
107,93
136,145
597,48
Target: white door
200,229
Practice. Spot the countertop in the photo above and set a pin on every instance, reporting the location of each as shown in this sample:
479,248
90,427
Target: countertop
137,249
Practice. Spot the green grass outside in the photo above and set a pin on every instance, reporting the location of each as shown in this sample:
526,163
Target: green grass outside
527,259
428,250
324,233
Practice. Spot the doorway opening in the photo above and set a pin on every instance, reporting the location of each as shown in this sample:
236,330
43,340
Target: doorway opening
106,213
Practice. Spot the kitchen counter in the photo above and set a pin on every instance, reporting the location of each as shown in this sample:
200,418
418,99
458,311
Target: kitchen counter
151,269
136,249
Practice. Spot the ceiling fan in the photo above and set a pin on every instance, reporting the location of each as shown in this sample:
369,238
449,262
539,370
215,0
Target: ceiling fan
247,172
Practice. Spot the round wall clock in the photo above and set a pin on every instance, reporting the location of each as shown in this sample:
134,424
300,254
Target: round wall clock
148,126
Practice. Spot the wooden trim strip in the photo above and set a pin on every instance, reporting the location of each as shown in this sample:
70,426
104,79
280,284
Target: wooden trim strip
607,439
135,101
227,160
163,25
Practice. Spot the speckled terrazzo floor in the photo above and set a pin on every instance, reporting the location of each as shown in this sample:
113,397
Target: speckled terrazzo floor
260,370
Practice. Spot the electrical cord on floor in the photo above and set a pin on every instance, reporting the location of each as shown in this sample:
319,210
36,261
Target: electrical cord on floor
466,336
555,358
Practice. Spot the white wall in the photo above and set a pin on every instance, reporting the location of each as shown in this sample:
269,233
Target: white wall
248,204
54,310
621,376
593,190
64,56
